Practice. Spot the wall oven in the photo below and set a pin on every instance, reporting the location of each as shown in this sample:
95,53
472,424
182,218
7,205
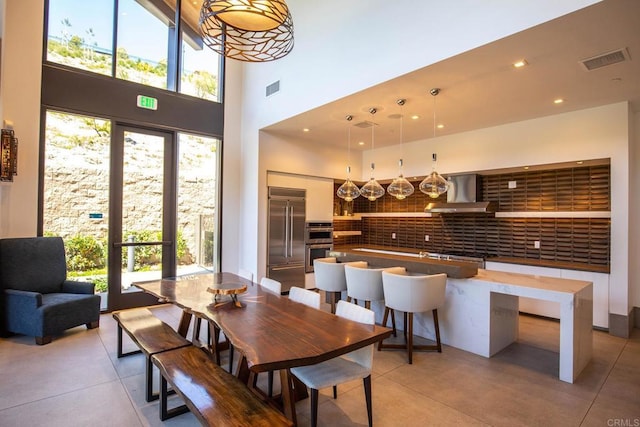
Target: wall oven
315,251
318,239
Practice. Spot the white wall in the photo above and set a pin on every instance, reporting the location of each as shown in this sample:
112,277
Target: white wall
634,214
20,100
232,176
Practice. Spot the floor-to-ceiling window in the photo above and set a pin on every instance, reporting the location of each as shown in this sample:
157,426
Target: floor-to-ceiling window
80,34
132,187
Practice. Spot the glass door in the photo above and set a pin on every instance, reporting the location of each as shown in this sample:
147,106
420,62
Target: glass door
142,243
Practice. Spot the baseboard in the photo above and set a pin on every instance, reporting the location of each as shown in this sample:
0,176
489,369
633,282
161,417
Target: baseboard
636,317
621,325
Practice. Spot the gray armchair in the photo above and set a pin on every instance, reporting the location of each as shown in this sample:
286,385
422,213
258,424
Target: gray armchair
36,298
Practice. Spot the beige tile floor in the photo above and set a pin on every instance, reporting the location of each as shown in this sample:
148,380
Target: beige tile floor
77,380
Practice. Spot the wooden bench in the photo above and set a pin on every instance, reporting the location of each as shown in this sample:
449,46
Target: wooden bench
212,394
151,335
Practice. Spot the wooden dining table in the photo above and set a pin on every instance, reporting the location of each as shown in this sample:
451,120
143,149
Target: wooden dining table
269,330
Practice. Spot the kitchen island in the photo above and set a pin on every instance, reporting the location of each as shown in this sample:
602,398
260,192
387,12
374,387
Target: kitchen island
480,314
412,260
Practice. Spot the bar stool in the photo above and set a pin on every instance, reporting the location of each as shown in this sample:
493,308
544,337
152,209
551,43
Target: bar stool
329,275
414,294
365,284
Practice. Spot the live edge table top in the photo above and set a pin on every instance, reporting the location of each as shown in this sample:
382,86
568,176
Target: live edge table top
270,330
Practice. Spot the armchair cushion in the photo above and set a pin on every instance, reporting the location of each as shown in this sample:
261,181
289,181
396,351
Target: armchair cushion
33,264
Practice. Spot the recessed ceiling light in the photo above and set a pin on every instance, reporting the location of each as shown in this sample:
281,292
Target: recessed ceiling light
558,101
526,168
579,162
361,143
306,130
440,126
415,117
521,63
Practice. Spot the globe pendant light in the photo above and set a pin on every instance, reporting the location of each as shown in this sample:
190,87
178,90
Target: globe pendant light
434,184
372,190
400,188
348,191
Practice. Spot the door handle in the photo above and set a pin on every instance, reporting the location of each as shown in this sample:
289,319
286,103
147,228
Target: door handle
291,232
290,267
286,231
125,244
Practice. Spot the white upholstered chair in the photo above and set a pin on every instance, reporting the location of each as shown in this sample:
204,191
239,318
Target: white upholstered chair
345,368
414,294
305,296
246,274
329,276
365,284
272,285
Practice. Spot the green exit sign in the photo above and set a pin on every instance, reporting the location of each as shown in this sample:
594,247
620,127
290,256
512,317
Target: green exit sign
147,102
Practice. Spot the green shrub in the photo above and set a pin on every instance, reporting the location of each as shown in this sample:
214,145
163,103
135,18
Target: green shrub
85,253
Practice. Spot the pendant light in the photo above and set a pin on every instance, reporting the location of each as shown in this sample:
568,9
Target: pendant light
400,188
372,190
434,184
247,30
348,191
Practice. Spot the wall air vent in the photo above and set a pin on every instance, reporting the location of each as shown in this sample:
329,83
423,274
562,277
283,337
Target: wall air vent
604,59
273,88
364,125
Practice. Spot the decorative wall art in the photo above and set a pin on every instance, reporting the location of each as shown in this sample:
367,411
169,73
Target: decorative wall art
9,155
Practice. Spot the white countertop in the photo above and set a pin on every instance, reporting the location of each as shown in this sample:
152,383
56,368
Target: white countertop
529,281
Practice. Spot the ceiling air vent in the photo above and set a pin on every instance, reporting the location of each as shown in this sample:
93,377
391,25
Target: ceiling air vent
273,88
604,59
364,125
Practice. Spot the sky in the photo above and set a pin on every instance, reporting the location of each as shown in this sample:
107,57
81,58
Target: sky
139,32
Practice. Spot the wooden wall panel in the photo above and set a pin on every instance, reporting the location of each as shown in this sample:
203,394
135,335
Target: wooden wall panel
572,240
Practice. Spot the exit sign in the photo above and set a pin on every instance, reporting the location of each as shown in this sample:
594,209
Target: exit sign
147,102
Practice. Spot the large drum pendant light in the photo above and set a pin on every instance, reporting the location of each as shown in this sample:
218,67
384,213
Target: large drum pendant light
434,184
400,187
247,30
372,190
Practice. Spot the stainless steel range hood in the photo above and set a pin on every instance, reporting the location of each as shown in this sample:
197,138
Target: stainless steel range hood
463,196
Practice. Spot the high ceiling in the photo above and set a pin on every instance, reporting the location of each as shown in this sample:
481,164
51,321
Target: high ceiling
481,88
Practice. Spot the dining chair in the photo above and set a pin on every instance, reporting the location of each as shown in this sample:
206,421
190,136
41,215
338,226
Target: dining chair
329,277
305,296
245,274
414,294
342,369
272,285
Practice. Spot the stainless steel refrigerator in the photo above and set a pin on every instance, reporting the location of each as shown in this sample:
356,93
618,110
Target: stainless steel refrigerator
286,250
